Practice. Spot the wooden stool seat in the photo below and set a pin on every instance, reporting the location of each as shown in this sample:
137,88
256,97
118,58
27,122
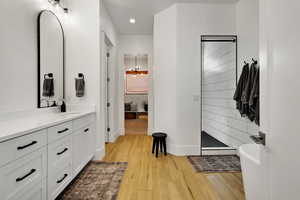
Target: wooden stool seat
159,141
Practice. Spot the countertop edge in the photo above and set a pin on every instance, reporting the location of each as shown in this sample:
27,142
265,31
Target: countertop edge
43,126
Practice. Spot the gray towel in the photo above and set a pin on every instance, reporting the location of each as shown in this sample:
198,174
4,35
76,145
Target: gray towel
79,87
247,91
243,108
48,87
254,98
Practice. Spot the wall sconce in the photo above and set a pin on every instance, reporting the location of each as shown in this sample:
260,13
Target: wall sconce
58,3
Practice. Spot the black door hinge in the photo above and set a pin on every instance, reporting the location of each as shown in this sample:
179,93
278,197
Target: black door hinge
108,79
108,129
108,104
107,55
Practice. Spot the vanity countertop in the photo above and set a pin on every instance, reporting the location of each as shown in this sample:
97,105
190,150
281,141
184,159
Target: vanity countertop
19,126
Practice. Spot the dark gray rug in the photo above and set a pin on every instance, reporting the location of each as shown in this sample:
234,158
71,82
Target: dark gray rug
97,181
218,163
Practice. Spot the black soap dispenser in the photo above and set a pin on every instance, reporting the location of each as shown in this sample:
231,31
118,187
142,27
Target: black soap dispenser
63,107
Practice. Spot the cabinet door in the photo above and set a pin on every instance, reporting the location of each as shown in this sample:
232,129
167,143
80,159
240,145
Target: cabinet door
59,153
25,178
58,180
37,192
91,140
83,148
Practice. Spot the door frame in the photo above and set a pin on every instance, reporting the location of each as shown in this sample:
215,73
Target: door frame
106,112
234,38
151,105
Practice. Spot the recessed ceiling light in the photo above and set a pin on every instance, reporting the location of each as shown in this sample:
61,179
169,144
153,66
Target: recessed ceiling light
132,20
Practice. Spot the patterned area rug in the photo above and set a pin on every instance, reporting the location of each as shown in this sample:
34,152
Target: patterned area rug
97,181
218,163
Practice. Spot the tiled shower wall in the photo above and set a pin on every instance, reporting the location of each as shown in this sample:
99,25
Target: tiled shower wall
219,115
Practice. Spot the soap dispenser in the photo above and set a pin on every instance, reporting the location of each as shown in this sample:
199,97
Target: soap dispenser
63,107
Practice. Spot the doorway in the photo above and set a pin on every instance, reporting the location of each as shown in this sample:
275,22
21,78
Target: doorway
220,123
136,94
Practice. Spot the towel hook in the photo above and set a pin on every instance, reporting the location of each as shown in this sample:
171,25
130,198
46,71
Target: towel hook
50,75
255,61
80,75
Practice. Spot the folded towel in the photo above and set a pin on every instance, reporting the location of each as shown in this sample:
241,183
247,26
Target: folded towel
48,87
79,87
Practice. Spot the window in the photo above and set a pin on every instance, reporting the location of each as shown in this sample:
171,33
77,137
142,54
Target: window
136,82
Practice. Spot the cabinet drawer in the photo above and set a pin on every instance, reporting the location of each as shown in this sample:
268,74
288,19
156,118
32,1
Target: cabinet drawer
82,122
58,180
21,176
59,131
59,153
18,147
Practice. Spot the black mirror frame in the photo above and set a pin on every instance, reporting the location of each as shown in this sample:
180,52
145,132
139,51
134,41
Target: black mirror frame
39,56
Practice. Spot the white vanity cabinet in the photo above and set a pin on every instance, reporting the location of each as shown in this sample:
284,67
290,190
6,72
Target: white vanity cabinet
41,164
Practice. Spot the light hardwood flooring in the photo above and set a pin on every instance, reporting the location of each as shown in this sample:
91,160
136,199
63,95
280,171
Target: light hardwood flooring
137,126
167,177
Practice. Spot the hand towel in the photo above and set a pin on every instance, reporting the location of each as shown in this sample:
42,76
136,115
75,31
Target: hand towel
48,87
247,91
79,87
243,108
254,98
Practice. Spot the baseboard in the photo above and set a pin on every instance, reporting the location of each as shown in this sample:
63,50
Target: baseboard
183,150
114,136
122,131
99,154
219,151
150,131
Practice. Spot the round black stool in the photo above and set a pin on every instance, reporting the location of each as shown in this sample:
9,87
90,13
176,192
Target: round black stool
159,141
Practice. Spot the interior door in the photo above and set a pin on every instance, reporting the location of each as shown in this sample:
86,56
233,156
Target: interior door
108,96
280,96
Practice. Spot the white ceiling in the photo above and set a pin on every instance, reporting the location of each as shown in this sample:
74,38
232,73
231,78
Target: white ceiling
143,11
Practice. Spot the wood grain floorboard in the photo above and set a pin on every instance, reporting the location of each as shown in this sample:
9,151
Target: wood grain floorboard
137,126
167,177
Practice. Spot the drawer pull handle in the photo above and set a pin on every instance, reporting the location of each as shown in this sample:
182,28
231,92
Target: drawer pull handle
61,180
62,131
86,130
27,145
22,178
59,153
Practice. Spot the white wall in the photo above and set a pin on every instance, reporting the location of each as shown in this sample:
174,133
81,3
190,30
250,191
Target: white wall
177,74
109,31
279,50
107,25
19,54
247,26
164,72
135,44
232,129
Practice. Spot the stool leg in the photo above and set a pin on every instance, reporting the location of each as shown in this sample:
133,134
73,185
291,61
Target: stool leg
165,146
157,147
153,144
161,144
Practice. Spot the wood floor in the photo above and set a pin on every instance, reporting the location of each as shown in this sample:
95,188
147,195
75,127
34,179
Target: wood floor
167,177
137,126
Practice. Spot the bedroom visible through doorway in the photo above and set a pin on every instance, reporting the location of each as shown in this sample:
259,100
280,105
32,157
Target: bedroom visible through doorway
136,94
